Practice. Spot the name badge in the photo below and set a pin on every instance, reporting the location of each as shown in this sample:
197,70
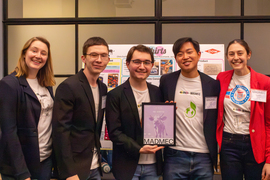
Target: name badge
103,105
258,95
210,102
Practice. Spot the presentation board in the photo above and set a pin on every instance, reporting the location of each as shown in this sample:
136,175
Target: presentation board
116,72
211,62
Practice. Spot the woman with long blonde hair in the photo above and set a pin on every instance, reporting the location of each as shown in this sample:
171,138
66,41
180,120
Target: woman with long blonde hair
26,101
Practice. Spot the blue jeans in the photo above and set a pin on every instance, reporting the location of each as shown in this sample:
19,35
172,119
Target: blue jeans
145,172
45,171
94,174
237,159
187,165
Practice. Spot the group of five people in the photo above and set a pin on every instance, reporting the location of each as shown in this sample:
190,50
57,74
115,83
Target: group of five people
41,132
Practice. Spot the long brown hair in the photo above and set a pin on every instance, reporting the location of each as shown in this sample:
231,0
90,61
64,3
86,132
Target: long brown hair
45,74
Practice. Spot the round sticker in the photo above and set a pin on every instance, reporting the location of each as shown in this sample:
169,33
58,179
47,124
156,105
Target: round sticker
240,94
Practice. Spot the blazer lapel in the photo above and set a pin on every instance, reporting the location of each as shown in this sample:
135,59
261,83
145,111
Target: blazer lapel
27,90
50,91
173,81
224,87
87,89
152,95
102,92
204,83
131,100
253,85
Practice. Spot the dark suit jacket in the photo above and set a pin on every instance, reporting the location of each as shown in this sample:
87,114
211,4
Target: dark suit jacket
1,145
19,116
210,88
125,131
76,131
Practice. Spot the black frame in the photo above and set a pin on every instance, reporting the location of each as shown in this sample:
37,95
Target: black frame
158,20
174,122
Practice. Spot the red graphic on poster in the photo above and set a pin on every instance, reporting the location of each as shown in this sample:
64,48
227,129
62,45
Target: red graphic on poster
212,51
106,136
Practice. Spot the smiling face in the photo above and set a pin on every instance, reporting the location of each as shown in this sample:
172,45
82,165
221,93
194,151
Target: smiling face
139,72
187,59
36,57
95,65
237,57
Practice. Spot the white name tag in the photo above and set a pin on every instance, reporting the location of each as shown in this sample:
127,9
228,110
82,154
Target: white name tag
103,105
210,102
258,95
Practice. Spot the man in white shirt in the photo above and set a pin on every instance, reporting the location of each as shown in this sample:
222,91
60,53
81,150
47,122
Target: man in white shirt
132,159
196,97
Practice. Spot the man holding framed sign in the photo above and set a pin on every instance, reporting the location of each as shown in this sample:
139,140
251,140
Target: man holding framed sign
132,159
196,97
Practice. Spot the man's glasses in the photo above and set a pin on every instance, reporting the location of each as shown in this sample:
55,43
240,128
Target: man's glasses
139,62
95,56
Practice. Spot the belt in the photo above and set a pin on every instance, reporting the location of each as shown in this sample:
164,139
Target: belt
236,136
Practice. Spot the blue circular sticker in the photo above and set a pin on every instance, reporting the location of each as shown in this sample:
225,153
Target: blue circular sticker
240,94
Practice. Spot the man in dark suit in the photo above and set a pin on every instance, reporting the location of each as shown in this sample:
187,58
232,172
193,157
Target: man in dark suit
196,96
131,159
78,114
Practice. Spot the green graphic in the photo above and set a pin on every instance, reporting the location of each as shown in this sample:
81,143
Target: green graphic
191,111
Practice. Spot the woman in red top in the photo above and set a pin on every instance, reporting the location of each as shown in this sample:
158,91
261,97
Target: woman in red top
243,127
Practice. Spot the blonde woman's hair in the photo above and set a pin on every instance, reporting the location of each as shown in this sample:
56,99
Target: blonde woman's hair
45,75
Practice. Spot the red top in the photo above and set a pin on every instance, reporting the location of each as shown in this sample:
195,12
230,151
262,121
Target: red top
259,127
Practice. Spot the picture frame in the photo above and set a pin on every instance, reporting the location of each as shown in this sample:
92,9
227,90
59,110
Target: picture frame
158,123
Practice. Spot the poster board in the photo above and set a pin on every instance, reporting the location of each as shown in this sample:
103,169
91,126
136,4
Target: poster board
212,62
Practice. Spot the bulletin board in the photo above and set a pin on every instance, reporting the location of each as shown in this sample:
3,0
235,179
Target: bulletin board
211,63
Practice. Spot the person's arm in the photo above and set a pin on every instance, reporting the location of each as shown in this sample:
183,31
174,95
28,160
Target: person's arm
150,149
114,124
266,168
8,120
62,122
75,177
115,130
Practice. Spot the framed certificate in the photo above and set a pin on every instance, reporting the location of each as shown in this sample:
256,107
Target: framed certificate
158,123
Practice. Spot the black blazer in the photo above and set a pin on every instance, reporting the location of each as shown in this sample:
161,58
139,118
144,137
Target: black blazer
19,116
210,88
1,145
125,131
76,131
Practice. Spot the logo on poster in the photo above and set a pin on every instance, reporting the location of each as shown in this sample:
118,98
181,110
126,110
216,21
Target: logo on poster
212,51
158,51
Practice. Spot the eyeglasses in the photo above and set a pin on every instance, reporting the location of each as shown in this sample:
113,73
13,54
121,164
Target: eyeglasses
95,56
139,62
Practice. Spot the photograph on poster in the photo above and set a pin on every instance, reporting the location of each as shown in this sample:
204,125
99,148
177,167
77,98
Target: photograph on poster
166,66
211,62
112,80
158,123
212,69
155,68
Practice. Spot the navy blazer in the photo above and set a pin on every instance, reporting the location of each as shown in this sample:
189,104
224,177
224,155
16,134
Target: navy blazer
19,116
210,88
125,131
76,131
